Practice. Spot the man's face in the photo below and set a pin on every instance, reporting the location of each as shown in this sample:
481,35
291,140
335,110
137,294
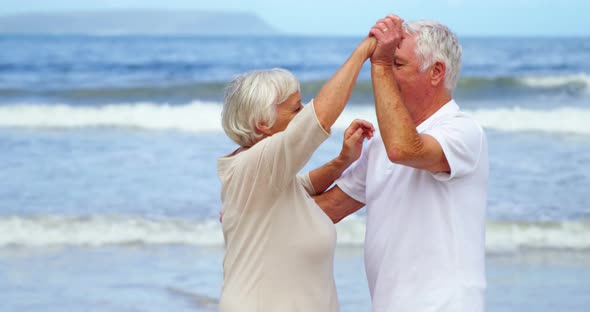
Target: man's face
413,83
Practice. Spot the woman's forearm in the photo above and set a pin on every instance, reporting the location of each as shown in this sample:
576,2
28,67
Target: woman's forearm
332,97
322,177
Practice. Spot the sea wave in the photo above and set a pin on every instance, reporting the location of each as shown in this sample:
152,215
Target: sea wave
204,117
86,94
564,120
118,230
577,81
106,230
502,236
480,86
572,82
195,117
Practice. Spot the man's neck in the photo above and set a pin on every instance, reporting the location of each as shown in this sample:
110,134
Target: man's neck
430,107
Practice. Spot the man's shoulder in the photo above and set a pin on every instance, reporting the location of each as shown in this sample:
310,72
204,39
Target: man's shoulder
458,125
459,119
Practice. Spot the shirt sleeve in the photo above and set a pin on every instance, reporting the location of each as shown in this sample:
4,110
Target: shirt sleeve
285,153
461,139
353,180
306,182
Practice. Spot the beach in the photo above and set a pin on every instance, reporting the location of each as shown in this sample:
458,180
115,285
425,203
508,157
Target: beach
109,197
182,278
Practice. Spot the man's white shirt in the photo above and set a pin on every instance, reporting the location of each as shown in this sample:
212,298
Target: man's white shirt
425,236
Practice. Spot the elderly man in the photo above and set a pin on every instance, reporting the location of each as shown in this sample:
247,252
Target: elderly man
423,178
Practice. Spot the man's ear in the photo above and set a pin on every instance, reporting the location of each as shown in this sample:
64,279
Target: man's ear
437,73
263,129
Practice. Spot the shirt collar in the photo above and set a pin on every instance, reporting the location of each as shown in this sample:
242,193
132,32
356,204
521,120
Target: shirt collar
449,108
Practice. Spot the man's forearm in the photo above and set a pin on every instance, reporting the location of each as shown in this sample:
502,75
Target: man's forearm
396,126
336,204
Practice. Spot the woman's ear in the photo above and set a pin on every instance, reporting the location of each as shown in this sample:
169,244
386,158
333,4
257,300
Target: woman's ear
437,73
263,129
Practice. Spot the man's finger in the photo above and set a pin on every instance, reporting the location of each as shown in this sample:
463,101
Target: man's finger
389,23
396,19
377,33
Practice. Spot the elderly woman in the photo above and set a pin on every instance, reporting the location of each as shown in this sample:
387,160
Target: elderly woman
279,243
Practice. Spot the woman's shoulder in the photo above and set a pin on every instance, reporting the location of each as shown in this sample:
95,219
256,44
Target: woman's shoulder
243,159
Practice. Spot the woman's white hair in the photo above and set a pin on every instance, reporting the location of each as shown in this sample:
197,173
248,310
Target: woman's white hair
251,99
436,42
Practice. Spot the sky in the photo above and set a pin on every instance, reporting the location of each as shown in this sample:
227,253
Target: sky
355,17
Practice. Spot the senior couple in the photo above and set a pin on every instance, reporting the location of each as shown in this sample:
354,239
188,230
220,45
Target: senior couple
422,177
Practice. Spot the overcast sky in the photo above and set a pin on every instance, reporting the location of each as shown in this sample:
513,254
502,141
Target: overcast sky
355,17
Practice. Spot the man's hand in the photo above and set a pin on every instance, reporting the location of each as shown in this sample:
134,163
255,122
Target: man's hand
389,33
355,134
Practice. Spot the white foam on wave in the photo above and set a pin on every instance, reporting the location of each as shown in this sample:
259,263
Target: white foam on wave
196,116
203,117
507,236
578,80
501,236
112,230
566,120
102,230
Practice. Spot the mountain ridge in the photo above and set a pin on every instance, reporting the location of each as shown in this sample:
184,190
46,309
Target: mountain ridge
136,22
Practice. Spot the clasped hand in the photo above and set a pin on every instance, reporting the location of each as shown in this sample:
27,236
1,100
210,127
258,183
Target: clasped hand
389,34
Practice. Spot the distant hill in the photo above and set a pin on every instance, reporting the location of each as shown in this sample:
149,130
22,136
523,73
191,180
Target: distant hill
136,22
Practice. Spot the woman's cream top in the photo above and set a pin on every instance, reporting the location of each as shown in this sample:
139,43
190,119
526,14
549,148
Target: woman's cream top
279,243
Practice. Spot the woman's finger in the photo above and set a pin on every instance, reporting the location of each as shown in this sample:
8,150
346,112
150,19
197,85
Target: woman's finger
357,135
364,123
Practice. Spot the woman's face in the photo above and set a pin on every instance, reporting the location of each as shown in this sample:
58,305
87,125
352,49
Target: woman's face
286,111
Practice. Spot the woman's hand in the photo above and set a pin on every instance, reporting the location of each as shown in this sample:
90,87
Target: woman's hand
368,46
355,134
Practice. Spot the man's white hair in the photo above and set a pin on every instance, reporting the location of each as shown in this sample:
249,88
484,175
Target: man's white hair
251,99
436,42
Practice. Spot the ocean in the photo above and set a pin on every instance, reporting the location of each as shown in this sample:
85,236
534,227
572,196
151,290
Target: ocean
109,198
